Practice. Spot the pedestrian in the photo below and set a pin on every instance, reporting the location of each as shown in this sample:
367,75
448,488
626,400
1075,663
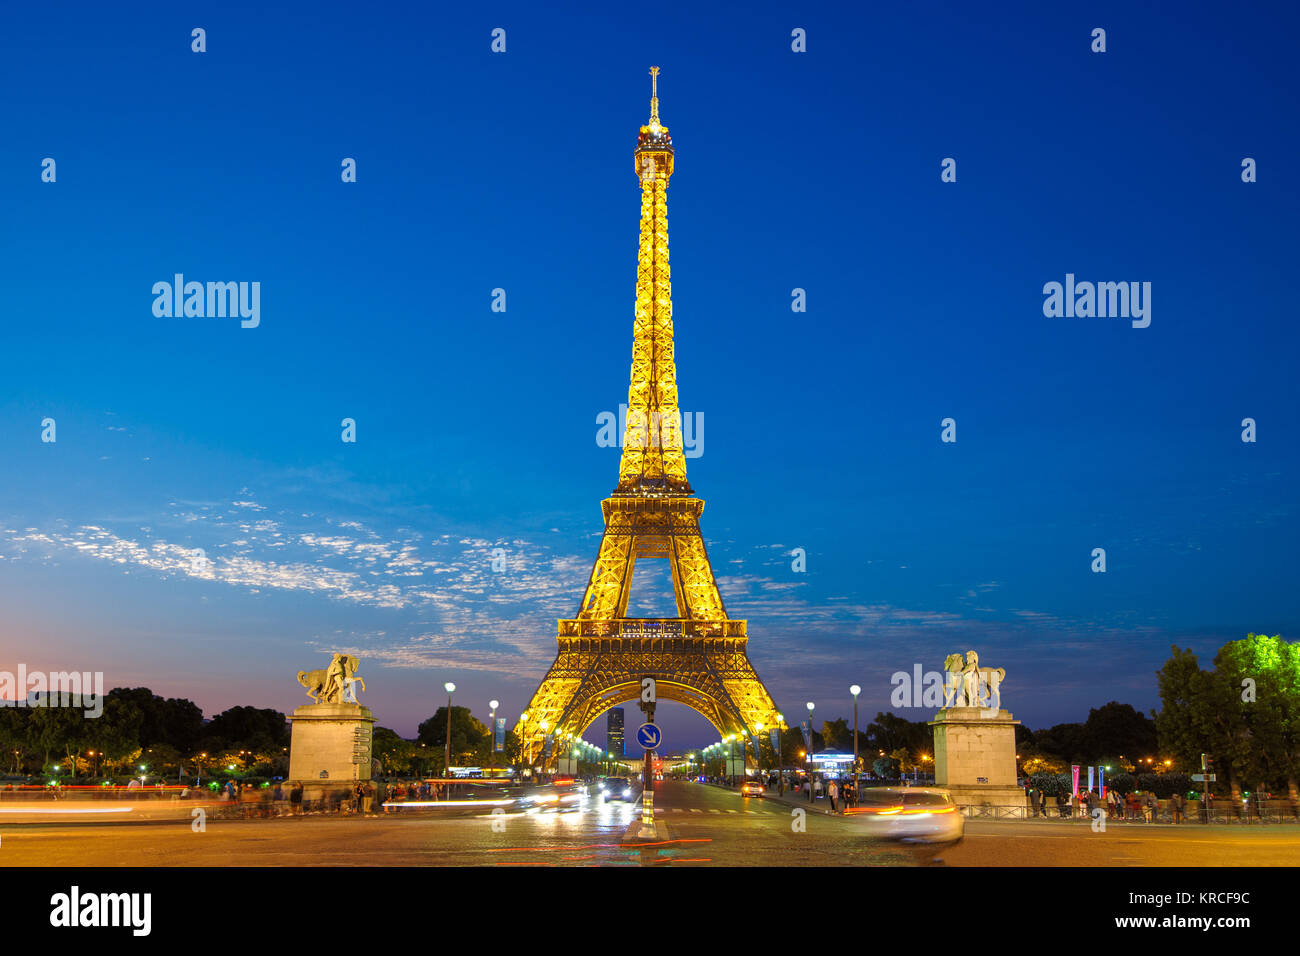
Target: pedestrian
1176,804
295,799
249,799
832,791
368,798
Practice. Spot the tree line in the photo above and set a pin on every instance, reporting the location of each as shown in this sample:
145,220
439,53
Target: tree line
1244,713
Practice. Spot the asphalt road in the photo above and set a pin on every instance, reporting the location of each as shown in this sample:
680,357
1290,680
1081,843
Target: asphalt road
704,826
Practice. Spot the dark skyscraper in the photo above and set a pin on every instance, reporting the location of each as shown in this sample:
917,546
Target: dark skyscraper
614,732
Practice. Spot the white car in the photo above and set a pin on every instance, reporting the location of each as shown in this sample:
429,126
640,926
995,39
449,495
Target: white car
921,814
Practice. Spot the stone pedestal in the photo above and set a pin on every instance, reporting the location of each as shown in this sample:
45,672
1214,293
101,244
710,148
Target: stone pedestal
331,748
975,756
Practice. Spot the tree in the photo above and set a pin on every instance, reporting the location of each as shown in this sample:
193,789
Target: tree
115,734
182,724
1245,712
886,768
162,759
1066,742
1180,683
14,736
1263,674
1033,763
247,728
1117,729
175,721
889,732
838,734
395,754
1050,783
792,743
50,729
467,732
903,758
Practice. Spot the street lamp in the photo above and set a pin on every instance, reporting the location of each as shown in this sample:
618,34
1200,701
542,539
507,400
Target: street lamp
492,732
780,764
811,794
855,690
447,757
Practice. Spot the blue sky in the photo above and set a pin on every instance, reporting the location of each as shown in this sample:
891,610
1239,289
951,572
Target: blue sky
476,430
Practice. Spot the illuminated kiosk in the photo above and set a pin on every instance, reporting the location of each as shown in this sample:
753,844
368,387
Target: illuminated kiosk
831,763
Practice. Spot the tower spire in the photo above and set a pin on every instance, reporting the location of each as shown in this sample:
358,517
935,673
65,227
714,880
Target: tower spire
654,96
653,460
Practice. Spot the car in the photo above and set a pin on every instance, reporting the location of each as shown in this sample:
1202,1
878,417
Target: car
616,788
751,788
550,798
919,814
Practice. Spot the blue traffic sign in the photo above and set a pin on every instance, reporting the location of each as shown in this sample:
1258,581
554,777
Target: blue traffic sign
649,736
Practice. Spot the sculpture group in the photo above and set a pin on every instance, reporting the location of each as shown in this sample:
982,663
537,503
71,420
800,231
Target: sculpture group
969,685
335,684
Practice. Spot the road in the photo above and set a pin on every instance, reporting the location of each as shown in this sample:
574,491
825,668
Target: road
705,826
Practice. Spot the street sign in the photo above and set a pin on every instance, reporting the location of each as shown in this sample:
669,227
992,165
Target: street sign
649,736
1203,777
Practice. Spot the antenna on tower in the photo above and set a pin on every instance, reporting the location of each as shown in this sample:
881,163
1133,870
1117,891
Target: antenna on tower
654,95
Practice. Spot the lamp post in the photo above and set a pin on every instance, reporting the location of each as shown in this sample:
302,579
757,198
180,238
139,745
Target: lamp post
447,765
780,764
492,733
855,690
812,794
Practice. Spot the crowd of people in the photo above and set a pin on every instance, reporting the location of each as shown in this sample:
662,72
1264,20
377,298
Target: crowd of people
363,797
1135,805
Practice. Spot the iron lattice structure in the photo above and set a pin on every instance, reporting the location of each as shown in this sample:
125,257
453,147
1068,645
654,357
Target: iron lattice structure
699,657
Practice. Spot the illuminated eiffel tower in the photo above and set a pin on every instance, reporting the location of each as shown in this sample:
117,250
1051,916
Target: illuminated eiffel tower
698,657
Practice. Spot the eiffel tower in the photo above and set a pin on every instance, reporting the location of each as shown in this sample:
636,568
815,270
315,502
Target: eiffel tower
698,658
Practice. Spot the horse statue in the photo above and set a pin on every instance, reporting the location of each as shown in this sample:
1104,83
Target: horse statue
328,685
969,685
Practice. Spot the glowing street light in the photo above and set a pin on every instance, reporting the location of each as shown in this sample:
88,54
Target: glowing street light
855,690
447,765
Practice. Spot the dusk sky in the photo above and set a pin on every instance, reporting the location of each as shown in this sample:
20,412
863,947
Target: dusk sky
476,429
